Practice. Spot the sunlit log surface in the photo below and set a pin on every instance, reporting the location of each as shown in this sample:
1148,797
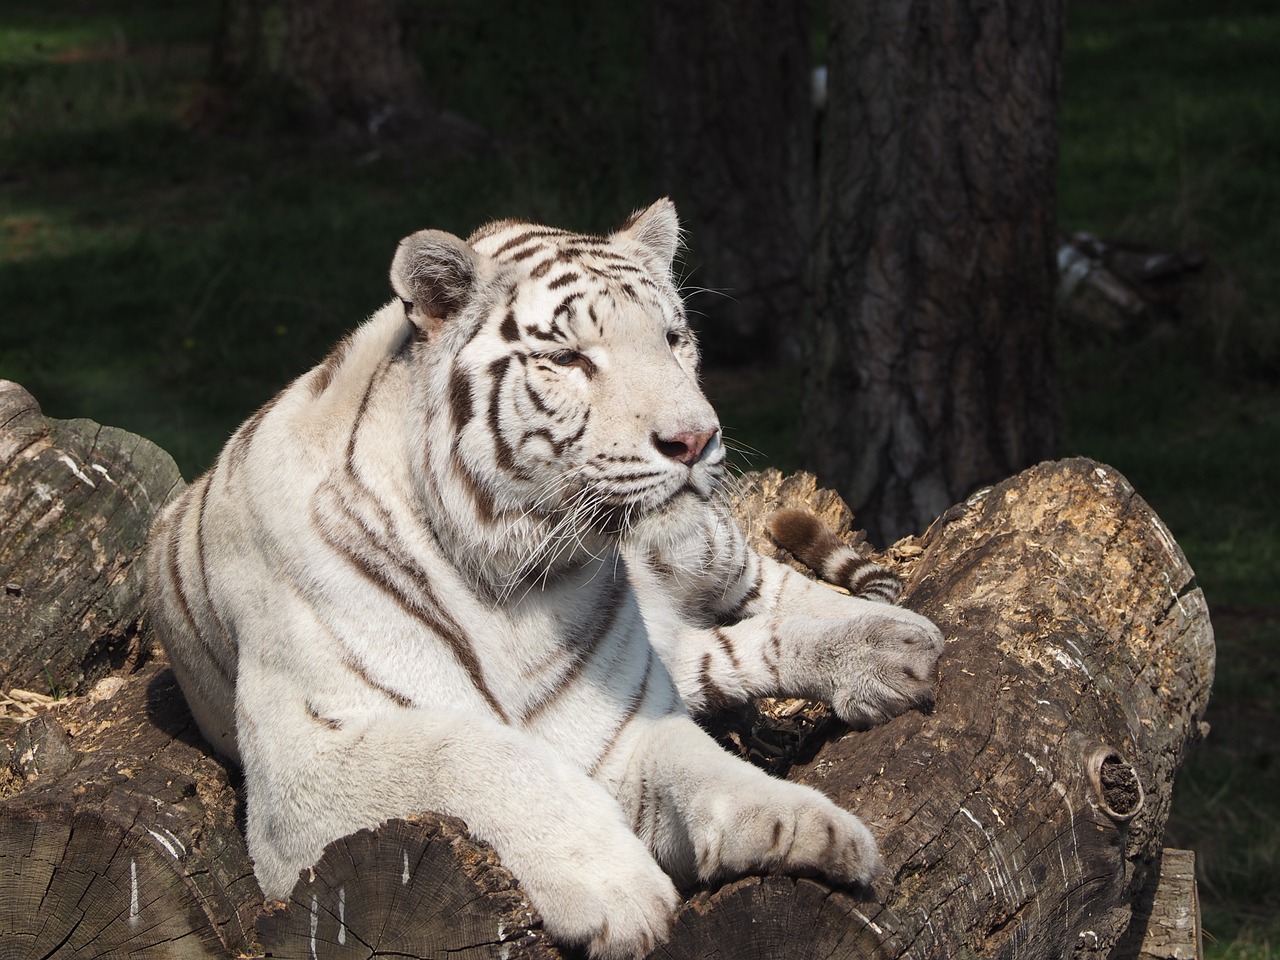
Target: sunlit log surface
1021,818
76,499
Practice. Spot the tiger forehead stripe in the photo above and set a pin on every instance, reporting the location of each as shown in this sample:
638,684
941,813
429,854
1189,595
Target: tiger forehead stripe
460,406
522,238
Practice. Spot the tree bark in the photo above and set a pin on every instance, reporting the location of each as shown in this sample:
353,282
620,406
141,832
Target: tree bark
328,65
932,338
1167,926
732,123
1021,818
128,844
76,500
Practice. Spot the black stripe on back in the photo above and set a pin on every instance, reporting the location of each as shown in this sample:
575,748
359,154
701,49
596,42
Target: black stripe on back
174,563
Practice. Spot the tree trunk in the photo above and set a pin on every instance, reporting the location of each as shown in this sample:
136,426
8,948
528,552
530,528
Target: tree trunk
76,500
328,65
1021,818
932,339
732,122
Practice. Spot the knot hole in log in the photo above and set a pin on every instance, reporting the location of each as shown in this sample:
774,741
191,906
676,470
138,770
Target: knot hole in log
1115,784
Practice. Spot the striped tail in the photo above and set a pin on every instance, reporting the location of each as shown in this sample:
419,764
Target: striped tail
819,549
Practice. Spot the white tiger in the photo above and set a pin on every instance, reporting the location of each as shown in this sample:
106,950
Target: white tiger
474,562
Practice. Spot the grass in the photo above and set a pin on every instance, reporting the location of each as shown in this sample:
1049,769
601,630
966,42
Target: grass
168,280
1171,136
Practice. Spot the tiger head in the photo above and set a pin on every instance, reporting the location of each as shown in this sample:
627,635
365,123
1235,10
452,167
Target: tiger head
556,396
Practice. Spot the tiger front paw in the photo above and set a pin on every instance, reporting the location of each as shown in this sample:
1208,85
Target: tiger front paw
890,667
786,828
613,899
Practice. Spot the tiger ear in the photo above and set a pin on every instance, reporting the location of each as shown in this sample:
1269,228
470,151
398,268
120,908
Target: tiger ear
434,273
657,229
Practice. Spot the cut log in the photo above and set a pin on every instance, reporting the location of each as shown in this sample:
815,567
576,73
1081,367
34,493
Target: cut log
76,499
127,845
121,837
1022,817
411,888
1166,924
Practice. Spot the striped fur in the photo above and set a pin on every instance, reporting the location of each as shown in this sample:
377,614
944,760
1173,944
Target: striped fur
475,562
819,549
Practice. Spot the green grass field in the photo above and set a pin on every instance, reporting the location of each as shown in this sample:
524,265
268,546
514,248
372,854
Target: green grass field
166,279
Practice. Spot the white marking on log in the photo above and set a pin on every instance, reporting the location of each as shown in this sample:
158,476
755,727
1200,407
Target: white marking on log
1166,538
870,923
1007,871
404,875
169,842
74,468
1174,593
133,890
342,915
928,923
1039,767
100,469
1063,659
315,922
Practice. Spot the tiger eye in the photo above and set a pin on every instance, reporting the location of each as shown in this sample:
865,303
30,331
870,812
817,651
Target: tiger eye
571,358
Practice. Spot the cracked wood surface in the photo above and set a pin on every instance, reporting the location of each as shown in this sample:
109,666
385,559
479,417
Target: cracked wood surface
76,499
1022,817
1078,667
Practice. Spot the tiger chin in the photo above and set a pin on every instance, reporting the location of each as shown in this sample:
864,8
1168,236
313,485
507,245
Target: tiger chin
475,562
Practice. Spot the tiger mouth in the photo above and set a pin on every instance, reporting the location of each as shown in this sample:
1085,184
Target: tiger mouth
619,520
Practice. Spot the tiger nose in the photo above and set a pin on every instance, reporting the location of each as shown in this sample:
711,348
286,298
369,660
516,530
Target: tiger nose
685,447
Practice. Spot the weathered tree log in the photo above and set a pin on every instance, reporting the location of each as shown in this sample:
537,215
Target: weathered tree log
416,888
1166,925
127,845
76,499
1022,817
120,836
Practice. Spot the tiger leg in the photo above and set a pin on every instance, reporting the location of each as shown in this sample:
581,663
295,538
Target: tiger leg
708,815
591,879
871,661
782,634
